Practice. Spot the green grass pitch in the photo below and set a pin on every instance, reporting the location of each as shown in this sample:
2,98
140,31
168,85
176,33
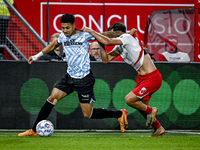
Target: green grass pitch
102,140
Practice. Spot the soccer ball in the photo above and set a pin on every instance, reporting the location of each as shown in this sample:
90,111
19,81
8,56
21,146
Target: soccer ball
45,128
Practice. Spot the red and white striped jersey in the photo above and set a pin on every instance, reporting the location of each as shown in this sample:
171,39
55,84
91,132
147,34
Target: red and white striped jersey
130,51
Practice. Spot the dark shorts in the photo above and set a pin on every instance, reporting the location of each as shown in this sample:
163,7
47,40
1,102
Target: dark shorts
84,87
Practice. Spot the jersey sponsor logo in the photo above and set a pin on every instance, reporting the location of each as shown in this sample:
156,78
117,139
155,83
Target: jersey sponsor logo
72,42
142,91
174,58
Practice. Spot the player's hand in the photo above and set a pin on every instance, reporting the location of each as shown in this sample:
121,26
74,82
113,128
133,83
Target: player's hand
35,57
133,30
30,60
86,29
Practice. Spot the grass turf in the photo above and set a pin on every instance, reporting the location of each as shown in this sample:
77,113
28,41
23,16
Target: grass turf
102,140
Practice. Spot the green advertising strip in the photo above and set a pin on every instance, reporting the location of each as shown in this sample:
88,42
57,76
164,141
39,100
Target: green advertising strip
186,97
33,95
121,89
161,98
102,94
177,100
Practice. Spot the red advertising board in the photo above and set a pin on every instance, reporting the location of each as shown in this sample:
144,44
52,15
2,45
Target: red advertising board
98,14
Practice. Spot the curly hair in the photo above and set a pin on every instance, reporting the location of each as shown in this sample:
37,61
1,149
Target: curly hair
67,18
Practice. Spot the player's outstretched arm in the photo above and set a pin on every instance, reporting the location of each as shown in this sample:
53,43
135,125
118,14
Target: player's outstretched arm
35,57
53,45
107,57
103,39
112,34
115,34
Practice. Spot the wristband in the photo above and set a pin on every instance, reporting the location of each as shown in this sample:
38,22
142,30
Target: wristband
35,57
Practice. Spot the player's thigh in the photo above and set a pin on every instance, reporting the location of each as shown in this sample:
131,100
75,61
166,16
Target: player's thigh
86,109
131,98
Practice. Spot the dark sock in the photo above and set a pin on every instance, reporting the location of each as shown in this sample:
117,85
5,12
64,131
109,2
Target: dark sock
143,114
43,114
100,113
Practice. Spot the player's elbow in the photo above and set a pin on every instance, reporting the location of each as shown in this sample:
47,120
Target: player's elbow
106,42
105,61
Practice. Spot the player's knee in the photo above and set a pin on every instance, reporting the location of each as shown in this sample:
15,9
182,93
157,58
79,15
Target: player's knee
86,115
129,100
53,99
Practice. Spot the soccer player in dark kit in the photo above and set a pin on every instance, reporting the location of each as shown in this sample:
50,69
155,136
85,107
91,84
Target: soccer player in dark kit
78,78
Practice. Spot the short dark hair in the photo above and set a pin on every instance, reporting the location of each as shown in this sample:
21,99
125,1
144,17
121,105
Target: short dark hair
67,18
117,26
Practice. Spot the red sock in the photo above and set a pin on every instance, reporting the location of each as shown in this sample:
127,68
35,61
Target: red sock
149,110
156,125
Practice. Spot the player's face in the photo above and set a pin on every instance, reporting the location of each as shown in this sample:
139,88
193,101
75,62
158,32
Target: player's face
68,28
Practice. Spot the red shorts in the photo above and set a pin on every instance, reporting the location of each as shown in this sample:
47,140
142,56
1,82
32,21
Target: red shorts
148,84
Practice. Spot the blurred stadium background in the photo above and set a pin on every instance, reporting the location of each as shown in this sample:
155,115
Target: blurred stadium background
24,88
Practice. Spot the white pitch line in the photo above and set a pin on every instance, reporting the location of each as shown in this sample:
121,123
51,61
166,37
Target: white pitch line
195,133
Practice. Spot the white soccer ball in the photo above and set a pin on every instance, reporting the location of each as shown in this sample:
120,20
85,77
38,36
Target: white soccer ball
45,128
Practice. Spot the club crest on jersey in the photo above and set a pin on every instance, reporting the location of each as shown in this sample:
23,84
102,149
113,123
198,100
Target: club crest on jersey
142,91
85,97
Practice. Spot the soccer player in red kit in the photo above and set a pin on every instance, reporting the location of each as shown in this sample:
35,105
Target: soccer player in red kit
149,78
